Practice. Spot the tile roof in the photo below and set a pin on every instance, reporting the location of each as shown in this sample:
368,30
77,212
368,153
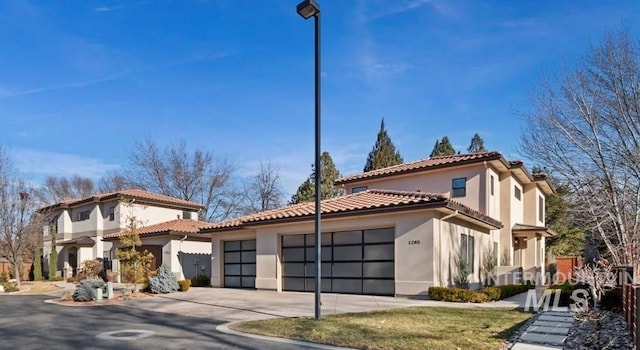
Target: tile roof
132,194
423,164
533,228
85,241
177,226
368,200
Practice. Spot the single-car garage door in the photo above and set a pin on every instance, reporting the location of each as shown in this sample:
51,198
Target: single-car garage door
240,264
354,262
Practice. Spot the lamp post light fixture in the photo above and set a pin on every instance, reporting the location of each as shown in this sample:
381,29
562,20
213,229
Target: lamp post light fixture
308,9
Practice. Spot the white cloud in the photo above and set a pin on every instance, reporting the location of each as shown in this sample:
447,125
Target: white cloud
45,163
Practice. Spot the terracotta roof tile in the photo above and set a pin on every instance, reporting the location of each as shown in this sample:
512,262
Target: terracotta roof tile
133,194
177,226
423,164
366,200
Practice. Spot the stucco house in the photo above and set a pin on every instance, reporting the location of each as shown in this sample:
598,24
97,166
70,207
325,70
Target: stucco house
396,231
88,228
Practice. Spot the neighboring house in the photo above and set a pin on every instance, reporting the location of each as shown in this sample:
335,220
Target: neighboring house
82,223
174,243
397,231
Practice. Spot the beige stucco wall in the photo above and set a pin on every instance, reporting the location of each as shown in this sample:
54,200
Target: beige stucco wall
493,201
416,264
531,208
437,181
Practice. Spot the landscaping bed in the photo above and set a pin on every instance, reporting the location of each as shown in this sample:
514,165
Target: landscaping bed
406,328
477,296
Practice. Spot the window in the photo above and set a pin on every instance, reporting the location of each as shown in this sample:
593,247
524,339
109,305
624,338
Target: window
518,192
540,209
186,215
492,185
83,215
459,187
358,189
495,253
466,250
112,213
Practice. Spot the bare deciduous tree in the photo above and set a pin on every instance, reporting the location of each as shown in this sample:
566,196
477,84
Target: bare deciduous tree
585,128
263,191
19,222
58,188
600,278
194,176
113,182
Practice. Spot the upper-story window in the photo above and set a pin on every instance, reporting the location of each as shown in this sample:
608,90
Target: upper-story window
186,215
492,185
112,213
358,189
540,209
459,187
83,215
518,192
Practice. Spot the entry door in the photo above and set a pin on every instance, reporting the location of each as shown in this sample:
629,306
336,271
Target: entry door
240,264
520,245
73,260
353,262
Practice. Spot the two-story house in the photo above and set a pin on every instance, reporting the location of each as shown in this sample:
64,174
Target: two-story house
396,231
89,228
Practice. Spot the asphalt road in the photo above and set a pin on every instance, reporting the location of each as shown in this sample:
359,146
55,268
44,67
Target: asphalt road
27,322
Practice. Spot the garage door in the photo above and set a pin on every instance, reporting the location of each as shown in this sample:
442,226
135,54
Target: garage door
353,262
240,264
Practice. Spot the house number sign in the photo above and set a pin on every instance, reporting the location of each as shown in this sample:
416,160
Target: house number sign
414,242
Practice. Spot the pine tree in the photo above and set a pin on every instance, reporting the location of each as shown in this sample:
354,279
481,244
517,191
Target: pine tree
384,152
134,264
443,148
477,144
306,191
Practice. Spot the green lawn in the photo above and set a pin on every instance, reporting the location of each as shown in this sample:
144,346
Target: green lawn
408,328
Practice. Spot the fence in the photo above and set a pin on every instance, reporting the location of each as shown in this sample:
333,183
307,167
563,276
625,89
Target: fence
631,309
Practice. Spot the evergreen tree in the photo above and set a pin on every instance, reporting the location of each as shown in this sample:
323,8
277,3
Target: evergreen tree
443,148
53,256
384,152
306,191
477,144
37,264
134,263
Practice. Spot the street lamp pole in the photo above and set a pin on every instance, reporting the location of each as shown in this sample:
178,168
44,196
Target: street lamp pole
307,9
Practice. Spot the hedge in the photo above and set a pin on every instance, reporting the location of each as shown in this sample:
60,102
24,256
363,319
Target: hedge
477,296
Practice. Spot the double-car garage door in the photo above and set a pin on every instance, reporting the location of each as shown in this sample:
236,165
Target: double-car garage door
354,262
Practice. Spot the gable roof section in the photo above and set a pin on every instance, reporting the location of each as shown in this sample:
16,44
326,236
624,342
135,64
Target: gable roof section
138,194
178,226
424,164
369,201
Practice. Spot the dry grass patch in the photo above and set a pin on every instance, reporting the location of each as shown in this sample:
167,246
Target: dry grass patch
407,328
40,287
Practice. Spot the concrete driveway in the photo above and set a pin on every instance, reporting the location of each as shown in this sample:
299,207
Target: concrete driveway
239,305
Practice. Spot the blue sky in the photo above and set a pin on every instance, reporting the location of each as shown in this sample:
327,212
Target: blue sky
81,80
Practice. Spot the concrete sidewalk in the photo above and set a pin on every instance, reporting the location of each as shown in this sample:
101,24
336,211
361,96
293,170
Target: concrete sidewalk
549,331
234,305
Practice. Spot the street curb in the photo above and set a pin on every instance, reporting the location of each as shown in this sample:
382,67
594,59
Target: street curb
224,328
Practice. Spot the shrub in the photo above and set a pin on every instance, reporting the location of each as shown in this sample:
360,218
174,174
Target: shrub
201,281
461,277
612,300
492,293
91,268
3,277
566,291
183,285
55,278
457,294
85,290
163,282
9,287
72,279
